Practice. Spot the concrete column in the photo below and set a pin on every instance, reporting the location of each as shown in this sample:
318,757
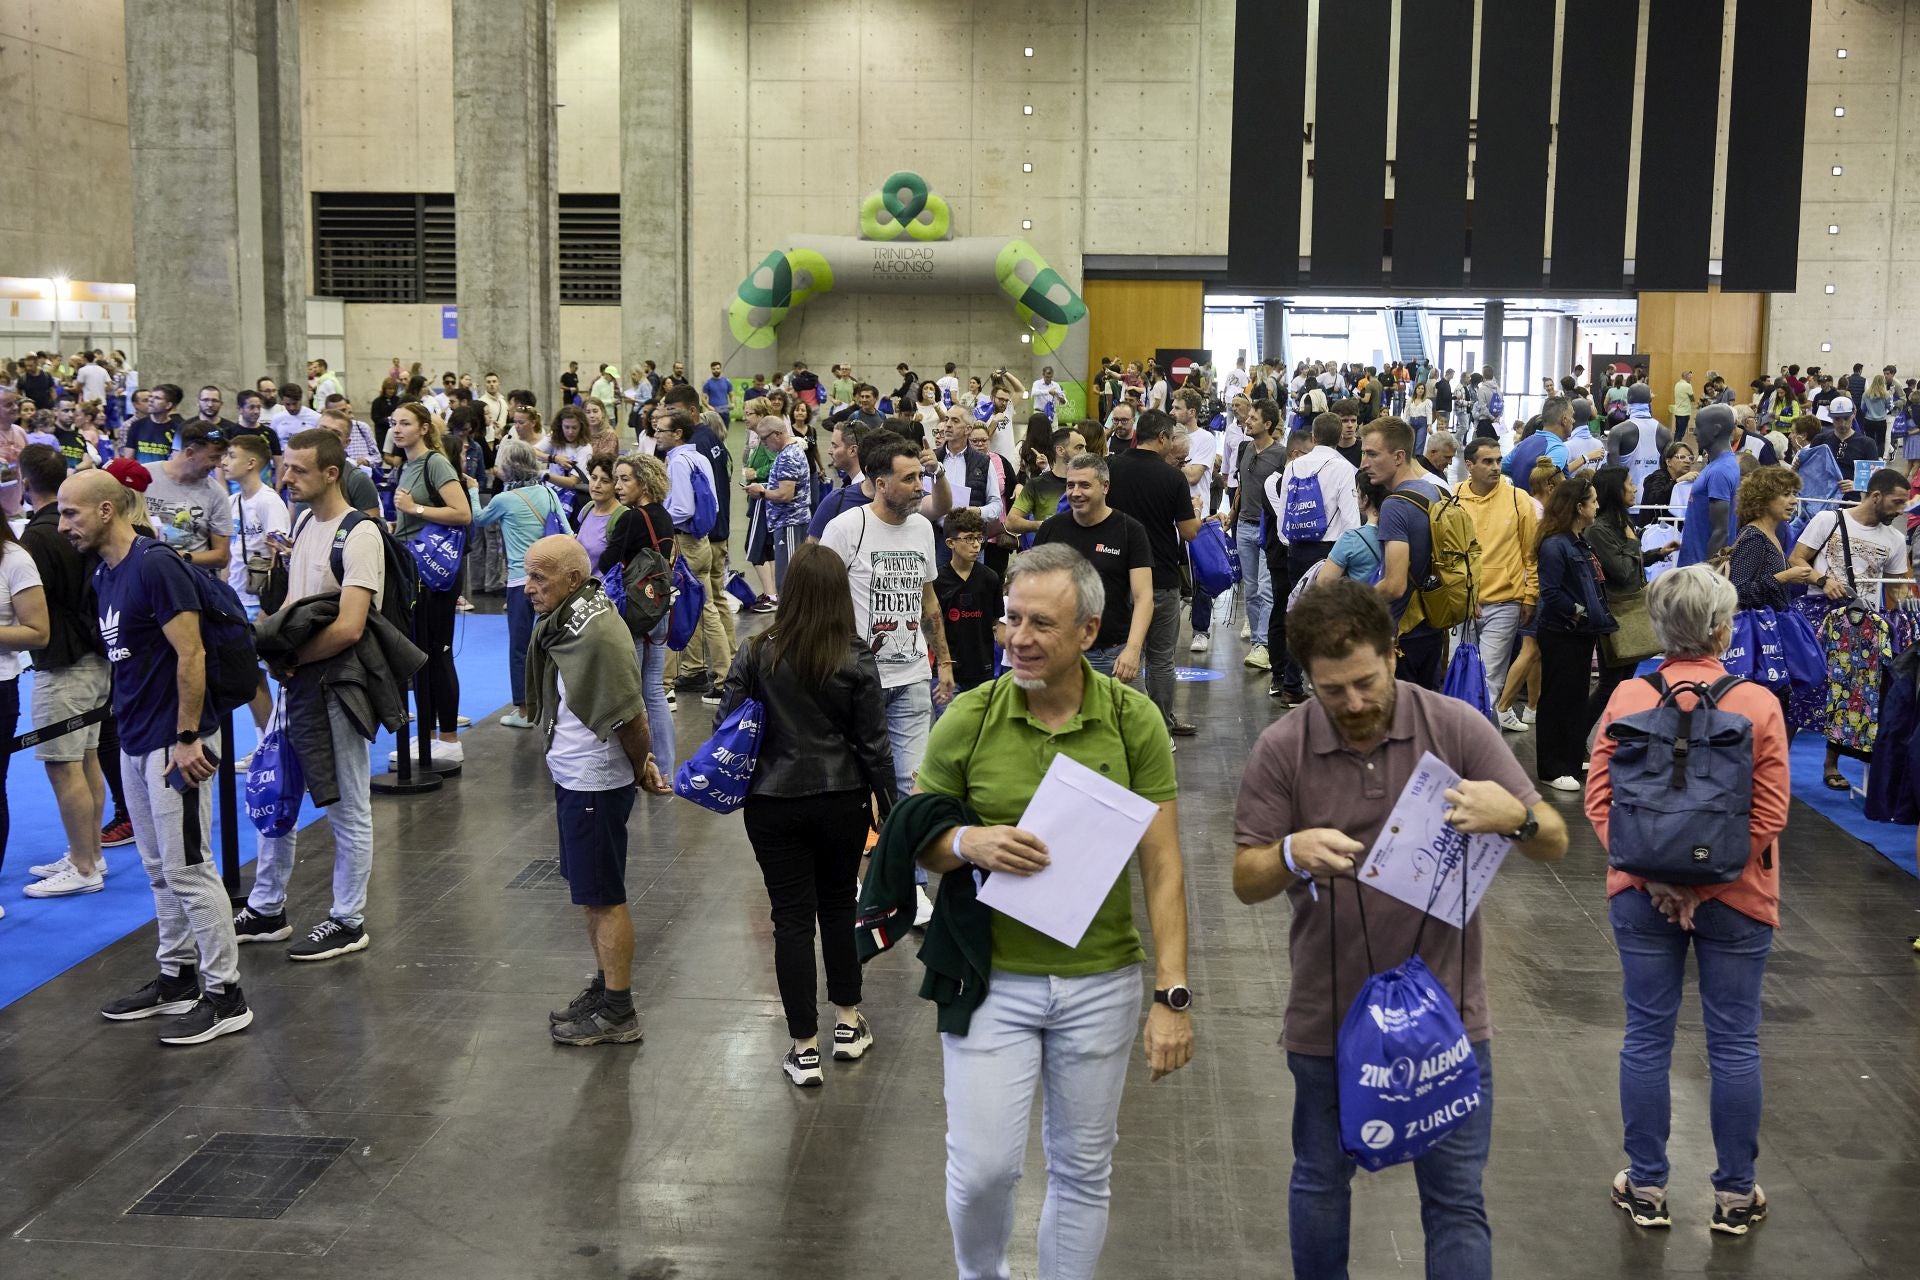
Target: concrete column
1273,339
201,232
283,196
655,314
1493,335
505,193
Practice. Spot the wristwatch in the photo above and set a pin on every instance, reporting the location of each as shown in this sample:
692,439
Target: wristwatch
1526,831
187,737
1178,999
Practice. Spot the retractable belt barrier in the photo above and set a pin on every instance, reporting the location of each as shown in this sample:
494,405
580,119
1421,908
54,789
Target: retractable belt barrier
59,728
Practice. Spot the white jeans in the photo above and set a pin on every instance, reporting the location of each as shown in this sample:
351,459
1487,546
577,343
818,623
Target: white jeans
1499,627
1072,1038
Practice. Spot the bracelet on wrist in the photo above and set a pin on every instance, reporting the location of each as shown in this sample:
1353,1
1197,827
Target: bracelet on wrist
955,849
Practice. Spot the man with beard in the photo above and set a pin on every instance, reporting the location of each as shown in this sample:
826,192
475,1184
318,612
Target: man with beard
1318,788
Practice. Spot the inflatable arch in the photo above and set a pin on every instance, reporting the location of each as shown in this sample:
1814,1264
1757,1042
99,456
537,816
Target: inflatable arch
906,245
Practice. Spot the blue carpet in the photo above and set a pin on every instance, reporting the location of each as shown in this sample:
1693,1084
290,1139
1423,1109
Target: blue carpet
41,938
1845,809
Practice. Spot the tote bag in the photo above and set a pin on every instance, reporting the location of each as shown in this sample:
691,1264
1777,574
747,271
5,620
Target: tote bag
716,776
275,782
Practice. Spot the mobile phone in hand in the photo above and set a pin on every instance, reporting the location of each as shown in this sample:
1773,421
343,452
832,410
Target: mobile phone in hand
178,781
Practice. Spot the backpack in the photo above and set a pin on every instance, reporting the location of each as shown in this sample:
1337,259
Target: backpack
400,580
1682,788
646,584
1445,598
233,668
553,523
706,507
1304,514
1496,405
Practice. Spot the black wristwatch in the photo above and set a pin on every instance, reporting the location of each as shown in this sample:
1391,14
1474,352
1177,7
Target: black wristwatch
187,737
1178,999
1527,830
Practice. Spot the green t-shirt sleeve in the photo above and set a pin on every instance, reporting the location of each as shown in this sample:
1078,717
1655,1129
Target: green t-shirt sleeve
1024,503
1149,749
943,768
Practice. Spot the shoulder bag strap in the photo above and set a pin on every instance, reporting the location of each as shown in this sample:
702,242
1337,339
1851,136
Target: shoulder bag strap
1846,549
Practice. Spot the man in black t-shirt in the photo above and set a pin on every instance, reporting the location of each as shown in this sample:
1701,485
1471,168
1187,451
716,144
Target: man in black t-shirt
570,383
970,600
1156,495
1117,546
1849,445
37,384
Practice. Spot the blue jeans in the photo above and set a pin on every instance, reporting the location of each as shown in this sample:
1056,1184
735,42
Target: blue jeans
909,721
1732,953
1254,581
351,818
653,684
1072,1037
1452,1212
519,631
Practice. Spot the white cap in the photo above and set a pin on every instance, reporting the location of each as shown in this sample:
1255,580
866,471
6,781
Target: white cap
1840,407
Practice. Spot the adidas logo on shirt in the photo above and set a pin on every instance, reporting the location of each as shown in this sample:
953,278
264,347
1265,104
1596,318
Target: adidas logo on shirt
110,632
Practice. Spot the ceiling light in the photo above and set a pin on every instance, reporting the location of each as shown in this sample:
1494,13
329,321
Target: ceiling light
1837,111
1833,228
1026,224
1839,53
1829,288
1029,52
1026,338
1028,110
1027,167
1839,169
1826,347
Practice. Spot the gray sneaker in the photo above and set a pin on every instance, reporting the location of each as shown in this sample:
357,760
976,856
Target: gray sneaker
598,1026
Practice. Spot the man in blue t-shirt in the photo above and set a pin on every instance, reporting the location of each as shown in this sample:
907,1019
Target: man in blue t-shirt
1406,543
1550,442
149,613
1710,507
718,390
851,440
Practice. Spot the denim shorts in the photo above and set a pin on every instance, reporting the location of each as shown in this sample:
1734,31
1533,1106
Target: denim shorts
593,843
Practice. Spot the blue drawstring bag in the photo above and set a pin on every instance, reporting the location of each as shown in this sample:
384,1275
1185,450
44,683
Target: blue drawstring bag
1768,649
1467,679
1408,1074
437,549
718,772
1805,658
739,589
275,782
689,598
1215,570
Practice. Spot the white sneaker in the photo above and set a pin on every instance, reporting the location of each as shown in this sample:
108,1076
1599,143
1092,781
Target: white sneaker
1566,782
244,763
46,869
1258,659
440,752
68,881
922,907
1526,714
1510,721
1246,632
1199,644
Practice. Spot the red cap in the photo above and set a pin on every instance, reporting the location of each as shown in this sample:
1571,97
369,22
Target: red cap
130,473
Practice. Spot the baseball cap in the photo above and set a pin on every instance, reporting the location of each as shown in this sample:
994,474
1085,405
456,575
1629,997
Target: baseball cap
1840,407
129,473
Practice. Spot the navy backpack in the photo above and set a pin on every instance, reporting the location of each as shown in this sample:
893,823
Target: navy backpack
1682,787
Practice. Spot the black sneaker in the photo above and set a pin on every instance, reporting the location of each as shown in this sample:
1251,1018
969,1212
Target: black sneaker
1733,1213
1181,729
850,1042
1647,1206
598,1025
162,996
803,1068
692,682
581,1003
212,1017
328,939
250,926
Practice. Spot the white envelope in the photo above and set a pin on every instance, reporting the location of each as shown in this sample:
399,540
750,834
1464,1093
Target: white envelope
1091,826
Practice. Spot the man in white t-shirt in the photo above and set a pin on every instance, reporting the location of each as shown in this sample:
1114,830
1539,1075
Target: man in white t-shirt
258,516
888,549
313,465
92,380
1047,395
325,382
1235,382
291,416
949,384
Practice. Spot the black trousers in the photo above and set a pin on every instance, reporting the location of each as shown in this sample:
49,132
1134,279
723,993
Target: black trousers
1423,659
1561,722
1287,563
809,853
433,632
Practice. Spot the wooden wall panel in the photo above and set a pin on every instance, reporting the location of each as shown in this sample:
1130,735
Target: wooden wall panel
1131,319
1722,332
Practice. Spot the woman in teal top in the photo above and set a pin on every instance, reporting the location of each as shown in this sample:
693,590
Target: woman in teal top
430,491
522,511
1356,553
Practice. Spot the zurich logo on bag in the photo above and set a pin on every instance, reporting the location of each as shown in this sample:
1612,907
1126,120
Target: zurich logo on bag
274,780
717,774
437,549
1305,516
1407,1072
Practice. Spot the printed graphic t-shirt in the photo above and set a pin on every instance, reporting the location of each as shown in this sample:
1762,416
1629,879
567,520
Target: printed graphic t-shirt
888,567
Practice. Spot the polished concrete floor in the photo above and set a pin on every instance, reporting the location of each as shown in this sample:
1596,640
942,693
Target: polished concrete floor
480,1150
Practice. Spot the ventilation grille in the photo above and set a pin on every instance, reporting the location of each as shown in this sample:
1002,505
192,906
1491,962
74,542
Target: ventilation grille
383,248
590,250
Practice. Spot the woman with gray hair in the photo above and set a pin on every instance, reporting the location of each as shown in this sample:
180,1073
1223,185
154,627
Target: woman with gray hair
522,511
1729,926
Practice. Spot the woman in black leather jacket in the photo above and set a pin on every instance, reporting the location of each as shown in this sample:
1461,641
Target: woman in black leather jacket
824,755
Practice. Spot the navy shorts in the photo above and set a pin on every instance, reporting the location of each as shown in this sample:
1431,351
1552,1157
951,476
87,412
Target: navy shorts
593,843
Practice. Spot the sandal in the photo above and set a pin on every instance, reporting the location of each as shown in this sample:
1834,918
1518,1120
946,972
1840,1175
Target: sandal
1836,781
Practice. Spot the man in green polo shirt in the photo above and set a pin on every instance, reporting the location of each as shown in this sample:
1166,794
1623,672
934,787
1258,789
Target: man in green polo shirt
1055,1016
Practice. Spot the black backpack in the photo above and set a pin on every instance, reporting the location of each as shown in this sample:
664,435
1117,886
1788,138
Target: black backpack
400,587
648,579
233,668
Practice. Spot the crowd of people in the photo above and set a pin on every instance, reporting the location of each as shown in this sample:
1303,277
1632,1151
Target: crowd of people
964,581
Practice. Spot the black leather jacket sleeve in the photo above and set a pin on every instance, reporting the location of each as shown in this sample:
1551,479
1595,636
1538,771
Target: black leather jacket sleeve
816,739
